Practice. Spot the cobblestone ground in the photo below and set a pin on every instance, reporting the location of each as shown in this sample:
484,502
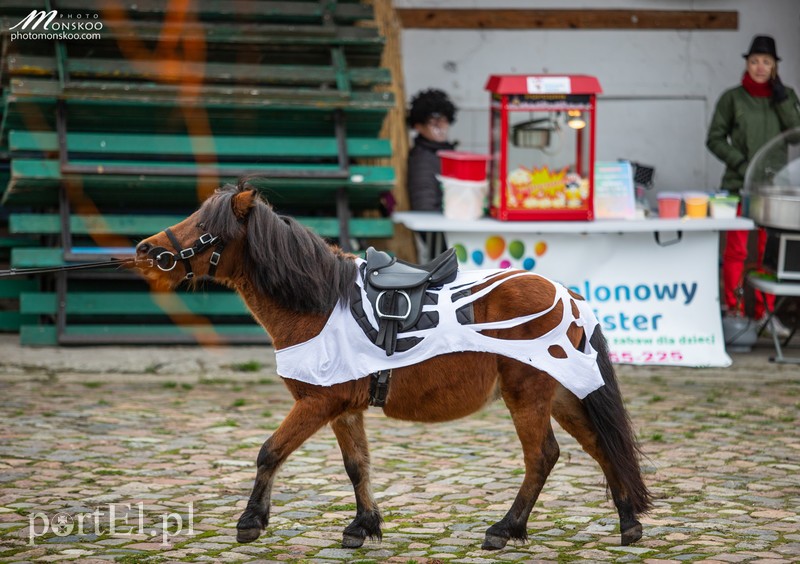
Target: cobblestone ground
723,459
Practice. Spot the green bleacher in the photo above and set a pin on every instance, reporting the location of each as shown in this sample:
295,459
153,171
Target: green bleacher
106,141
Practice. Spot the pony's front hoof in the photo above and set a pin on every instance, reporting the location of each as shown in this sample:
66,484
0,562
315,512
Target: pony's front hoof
632,534
250,525
494,542
248,535
352,541
366,524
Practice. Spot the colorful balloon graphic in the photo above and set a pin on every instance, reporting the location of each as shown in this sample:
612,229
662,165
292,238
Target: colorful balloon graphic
528,263
540,248
495,246
477,257
505,263
516,249
461,252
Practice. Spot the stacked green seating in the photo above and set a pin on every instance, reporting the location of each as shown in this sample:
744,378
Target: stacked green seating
114,138
10,288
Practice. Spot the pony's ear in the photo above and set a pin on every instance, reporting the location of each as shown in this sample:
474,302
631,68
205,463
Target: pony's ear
242,202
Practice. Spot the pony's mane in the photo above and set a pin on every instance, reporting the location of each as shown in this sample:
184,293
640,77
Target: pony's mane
283,259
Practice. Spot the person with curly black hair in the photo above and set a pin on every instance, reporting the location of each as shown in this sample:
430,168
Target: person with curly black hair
430,115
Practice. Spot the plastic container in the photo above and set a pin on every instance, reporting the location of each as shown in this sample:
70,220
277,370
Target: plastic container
463,199
669,205
696,204
723,207
739,333
463,166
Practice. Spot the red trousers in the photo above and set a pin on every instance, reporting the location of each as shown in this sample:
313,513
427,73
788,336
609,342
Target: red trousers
733,259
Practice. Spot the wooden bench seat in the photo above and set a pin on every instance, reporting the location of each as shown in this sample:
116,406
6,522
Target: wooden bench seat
254,10
179,71
36,182
143,333
204,13
168,318
123,303
143,225
224,115
120,93
238,147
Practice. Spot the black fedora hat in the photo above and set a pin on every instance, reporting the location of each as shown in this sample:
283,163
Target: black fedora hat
762,45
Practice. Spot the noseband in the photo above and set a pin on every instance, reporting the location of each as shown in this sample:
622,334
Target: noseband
166,260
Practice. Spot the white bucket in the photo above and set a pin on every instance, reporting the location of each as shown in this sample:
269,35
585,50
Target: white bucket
463,199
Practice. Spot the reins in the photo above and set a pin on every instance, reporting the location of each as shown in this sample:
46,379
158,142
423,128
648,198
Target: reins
80,266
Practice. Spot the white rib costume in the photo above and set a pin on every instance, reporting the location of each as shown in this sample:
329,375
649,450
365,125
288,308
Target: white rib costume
342,351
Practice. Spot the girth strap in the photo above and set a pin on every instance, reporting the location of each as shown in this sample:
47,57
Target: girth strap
379,387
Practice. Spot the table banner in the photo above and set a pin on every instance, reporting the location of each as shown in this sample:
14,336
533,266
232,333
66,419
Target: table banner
657,303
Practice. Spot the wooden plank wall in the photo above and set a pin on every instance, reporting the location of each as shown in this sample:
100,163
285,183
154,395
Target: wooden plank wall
431,18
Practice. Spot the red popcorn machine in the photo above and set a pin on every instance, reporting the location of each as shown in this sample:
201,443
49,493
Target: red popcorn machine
542,146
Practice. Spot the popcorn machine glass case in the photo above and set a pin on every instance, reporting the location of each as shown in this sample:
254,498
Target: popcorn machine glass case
542,146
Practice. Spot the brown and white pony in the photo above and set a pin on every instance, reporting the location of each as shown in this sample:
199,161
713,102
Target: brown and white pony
291,279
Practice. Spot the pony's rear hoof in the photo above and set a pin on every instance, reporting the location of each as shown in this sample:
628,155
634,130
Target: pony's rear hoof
494,542
247,535
352,541
632,534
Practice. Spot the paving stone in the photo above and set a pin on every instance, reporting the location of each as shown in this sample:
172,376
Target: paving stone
726,557
336,553
310,541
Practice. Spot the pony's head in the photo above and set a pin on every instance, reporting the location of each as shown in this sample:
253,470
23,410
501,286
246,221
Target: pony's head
203,244
238,240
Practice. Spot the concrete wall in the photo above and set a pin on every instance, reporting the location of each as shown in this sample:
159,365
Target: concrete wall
660,87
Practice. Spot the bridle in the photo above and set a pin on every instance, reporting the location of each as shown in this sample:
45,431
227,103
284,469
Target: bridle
165,260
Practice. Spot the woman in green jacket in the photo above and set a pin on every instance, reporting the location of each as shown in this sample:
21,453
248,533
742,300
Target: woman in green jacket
745,119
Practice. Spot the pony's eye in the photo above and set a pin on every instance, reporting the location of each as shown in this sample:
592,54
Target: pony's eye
201,225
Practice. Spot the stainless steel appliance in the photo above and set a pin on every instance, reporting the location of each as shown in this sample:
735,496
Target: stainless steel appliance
771,198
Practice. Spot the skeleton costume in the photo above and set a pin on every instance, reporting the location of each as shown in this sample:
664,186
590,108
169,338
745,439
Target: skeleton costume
343,351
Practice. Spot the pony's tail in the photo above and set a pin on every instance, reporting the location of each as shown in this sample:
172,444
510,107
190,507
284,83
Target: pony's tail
615,434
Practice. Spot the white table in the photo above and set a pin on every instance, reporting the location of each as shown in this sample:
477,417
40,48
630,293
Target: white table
782,291
653,283
434,221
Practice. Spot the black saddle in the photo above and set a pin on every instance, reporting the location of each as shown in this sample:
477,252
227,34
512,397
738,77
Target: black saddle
396,289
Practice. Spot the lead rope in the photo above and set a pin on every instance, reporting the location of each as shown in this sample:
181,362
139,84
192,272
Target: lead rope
205,241
80,266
